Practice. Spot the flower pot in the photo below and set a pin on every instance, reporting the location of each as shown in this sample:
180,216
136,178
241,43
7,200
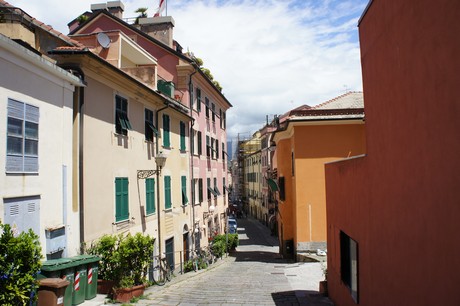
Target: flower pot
124,295
323,287
104,286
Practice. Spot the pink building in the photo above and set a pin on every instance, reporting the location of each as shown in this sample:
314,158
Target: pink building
393,214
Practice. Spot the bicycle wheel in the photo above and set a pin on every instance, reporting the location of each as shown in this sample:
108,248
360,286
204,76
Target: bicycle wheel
160,278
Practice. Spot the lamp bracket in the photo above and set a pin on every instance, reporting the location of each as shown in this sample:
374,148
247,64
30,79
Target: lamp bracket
143,174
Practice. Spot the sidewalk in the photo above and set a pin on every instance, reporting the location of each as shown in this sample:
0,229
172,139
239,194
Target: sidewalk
101,299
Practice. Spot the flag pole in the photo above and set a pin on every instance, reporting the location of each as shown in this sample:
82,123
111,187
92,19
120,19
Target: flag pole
166,2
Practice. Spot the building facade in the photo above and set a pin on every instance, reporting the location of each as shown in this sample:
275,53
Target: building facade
393,213
36,103
305,141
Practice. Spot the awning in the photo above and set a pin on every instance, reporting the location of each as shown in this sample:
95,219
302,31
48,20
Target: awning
216,190
272,184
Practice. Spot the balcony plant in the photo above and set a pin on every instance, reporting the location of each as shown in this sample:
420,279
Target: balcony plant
124,263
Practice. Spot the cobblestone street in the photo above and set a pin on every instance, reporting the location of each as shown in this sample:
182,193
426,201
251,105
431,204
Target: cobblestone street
253,275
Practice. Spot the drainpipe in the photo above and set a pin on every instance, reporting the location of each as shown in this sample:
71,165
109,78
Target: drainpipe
192,140
80,97
157,149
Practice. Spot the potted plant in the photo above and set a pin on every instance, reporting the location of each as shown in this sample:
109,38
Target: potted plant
123,265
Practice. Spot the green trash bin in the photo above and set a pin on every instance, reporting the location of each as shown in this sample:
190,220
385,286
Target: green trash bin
60,268
80,279
93,271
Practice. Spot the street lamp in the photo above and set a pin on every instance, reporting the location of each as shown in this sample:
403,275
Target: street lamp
210,211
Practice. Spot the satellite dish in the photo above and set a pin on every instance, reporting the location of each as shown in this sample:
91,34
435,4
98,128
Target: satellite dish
103,40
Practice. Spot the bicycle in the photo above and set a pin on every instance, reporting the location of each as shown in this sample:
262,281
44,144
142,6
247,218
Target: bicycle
163,272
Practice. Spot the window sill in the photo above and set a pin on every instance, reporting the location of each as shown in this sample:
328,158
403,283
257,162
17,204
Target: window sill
168,210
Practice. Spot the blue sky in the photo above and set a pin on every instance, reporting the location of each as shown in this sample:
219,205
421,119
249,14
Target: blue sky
269,56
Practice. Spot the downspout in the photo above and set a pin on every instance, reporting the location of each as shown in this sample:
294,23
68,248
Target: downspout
157,150
80,99
192,141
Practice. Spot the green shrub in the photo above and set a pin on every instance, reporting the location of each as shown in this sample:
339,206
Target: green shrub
124,259
232,241
20,257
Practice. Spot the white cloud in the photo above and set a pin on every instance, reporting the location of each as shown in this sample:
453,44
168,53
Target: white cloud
269,56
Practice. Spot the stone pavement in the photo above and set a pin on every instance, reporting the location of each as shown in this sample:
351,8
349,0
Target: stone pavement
254,274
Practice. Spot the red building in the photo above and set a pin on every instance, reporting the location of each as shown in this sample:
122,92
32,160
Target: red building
393,214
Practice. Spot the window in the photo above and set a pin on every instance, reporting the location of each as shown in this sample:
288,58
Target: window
213,151
199,143
213,110
349,264
224,188
220,117
150,128
223,152
182,136
209,188
22,137
150,196
207,106
166,136
282,188
217,149
168,203
198,100
216,189
121,199
184,190
200,190
223,120
208,147
122,124
292,164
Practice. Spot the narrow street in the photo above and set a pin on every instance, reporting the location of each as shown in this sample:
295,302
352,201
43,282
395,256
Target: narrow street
253,275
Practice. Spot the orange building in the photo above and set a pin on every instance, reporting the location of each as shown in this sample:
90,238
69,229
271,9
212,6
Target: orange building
307,139
393,215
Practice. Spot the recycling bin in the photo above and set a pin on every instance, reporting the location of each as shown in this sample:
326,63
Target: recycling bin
93,271
60,268
80,279
51,292
91,263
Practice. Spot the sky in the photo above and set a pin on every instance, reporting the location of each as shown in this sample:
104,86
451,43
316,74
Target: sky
269,56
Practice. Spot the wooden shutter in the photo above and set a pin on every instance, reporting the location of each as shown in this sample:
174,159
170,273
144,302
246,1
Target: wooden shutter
166,136
121,199
167,192
182,136
150,195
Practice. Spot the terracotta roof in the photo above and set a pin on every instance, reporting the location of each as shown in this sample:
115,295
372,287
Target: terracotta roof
352,99
40,24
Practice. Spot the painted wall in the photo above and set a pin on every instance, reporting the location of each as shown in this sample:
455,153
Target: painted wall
400,203
53,94
312,145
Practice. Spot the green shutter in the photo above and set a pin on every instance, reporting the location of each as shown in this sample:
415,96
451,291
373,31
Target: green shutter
121,199
150,196
198,100
168,204
200,190
200,145
166,136
182,136
184,190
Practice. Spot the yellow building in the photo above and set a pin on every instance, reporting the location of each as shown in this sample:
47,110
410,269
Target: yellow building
305,141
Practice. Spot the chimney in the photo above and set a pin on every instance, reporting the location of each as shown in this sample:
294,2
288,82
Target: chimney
160,28
115,8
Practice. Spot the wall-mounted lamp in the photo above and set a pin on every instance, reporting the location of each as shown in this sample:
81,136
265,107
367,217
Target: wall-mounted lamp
160,161
206,214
